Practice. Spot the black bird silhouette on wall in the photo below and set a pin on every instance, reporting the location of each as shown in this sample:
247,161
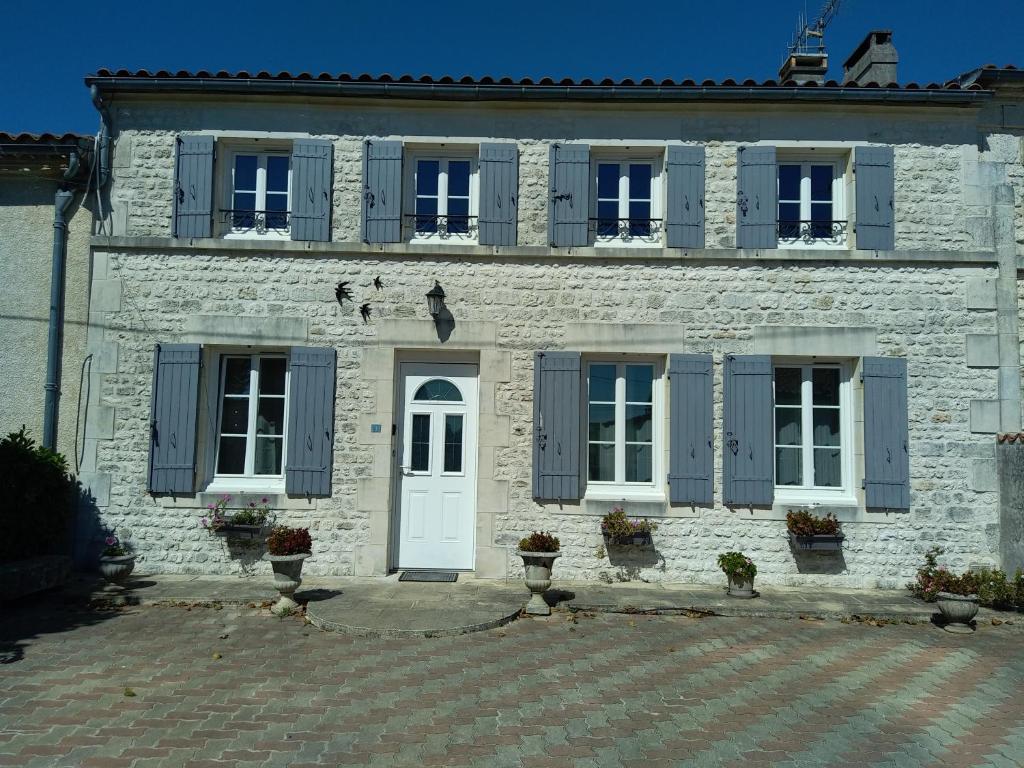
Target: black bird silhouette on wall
378,283
365,311
341,293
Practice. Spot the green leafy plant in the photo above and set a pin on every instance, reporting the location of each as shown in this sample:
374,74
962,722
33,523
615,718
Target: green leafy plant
37,492
992,586
289,541
539,541
618,528
218,518
737,565
803,523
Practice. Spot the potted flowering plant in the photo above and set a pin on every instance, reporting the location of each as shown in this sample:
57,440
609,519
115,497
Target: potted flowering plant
617,529
810,532
287,549
539,551
740,570
250,521
957,596
116,560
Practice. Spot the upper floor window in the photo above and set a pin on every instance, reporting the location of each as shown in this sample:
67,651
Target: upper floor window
443,201
251,419
259,191
812,211
813,424
627,201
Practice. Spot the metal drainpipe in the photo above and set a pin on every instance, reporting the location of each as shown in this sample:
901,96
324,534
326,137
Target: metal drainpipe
61,203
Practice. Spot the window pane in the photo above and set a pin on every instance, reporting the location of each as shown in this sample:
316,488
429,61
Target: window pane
787,386
787,426
270,416
439,389
242,202
458,177
639,219
235,417
640,181
602,463
245,172
789,182
608,218
420,459
602,383
236,376
231,457
458,215
821,212
789,221
638,383
827,468
453,442
826,426
426,177
639,419
821,182
276,201
638,463
825,386
426,212
267,458
608,180
272,375
277,173
602,422
788,466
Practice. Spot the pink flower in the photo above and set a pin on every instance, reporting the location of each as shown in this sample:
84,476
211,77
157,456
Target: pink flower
111,540
209,506
263,500
204,521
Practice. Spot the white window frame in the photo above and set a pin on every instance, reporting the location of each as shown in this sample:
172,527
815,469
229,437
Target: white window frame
844,494
229,230
604,490
622,238
443,157
839,164
248,481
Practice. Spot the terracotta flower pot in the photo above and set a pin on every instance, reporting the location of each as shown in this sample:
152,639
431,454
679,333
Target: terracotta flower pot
958,611
741,586
538,567
287,578
116,568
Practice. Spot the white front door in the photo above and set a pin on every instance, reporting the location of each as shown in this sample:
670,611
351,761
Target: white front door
437,466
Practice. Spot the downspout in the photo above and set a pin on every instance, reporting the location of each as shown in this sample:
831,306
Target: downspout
61,203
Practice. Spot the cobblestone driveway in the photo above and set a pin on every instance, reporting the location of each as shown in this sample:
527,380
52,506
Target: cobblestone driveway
238,687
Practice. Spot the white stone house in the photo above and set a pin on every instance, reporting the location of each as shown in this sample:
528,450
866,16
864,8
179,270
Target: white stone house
706,303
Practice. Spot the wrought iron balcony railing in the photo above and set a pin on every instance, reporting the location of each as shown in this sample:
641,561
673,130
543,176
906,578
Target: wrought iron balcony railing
441,224
811,232
259,221
626,229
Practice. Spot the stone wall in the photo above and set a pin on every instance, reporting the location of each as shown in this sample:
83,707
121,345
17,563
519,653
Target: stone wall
917,311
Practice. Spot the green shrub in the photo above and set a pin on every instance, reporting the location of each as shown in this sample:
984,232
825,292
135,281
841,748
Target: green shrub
803,523
737,564
993,587
37,492
617,527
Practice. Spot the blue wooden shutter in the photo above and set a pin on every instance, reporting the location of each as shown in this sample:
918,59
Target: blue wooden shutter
499,193
193,186
310,421
312,166
382,191
748,465
556,425
886,433
757,189
875,191
691,434
174,403
569,206
684,212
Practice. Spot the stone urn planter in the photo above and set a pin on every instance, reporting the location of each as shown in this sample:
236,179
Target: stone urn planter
958,611
538,567
287,578
741,586
115,569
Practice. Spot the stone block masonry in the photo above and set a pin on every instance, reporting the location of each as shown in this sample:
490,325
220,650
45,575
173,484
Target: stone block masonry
920,312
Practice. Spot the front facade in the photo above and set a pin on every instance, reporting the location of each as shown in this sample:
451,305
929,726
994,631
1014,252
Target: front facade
701,305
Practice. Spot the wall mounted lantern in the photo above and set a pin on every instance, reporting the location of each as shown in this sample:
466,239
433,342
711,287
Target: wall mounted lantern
435,300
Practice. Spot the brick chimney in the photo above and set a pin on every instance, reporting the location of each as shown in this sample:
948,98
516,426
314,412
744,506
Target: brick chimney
805,68
873,61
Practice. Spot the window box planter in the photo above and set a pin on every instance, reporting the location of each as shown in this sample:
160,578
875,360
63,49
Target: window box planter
641,539
234,531
817,543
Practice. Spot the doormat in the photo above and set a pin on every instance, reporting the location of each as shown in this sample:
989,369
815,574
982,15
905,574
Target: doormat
428,576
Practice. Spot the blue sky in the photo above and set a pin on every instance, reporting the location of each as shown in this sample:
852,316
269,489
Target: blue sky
48,48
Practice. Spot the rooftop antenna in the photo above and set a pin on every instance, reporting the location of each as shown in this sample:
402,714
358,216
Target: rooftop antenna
806,59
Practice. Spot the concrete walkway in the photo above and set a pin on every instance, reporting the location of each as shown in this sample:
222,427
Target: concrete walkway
386,607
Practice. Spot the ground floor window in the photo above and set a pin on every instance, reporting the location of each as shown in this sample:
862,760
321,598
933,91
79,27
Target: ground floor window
813,421
252,412
622,438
